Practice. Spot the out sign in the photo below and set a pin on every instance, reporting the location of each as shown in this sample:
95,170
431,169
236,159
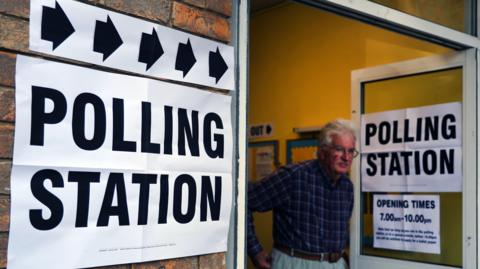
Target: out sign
261,130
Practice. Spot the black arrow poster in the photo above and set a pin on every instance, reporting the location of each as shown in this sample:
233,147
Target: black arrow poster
87,33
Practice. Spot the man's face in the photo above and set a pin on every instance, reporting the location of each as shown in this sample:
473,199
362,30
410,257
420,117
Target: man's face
338,157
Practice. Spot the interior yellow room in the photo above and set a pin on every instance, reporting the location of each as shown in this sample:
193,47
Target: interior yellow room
301,59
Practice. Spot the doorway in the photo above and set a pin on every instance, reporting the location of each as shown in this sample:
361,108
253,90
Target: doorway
301,59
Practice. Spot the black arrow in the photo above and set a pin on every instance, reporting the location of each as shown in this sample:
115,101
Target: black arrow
106,38
150,49
217,65
185,58
56,27
269,129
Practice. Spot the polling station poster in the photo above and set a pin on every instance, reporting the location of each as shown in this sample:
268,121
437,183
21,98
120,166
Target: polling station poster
111,169
412,150
407,222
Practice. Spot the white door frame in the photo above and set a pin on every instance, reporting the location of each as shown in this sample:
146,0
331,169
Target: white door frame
467,61
392,18
236,257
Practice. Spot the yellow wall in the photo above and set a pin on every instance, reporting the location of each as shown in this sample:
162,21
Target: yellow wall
300,64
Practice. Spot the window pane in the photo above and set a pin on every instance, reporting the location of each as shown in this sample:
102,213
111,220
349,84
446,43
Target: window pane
455,14
413,91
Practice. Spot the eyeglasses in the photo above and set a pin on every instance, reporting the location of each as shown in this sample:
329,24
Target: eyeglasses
350,152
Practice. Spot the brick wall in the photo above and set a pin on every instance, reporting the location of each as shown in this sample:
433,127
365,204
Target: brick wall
207,18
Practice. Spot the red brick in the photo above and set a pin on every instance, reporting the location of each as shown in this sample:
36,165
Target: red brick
221,6
201,22
157,10
198,3
5,171
4,213
181,263
95,2
7,104
13,33
3,249
7,68
20,8
212,261
6,140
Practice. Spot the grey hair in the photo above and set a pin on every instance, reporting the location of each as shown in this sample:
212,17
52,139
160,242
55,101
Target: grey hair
335,127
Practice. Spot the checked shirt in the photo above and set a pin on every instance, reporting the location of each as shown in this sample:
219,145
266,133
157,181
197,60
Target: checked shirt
309,213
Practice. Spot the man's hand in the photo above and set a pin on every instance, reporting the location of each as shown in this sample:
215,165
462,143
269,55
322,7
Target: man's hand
263,260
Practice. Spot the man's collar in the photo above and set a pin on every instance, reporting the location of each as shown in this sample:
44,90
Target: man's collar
327,178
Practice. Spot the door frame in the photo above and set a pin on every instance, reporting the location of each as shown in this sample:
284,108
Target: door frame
467,60
362,10
399,21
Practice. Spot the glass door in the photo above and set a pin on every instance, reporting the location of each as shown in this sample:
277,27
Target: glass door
415,183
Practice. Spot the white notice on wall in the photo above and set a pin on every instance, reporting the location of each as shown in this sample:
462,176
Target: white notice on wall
84,32
265,161
413,150
407,222
110,169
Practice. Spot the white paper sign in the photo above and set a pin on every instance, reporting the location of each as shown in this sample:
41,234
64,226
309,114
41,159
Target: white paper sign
413,150
110,169
87,33
264,161
407,222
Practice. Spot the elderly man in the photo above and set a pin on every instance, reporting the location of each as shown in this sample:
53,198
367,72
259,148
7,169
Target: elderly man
312,203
